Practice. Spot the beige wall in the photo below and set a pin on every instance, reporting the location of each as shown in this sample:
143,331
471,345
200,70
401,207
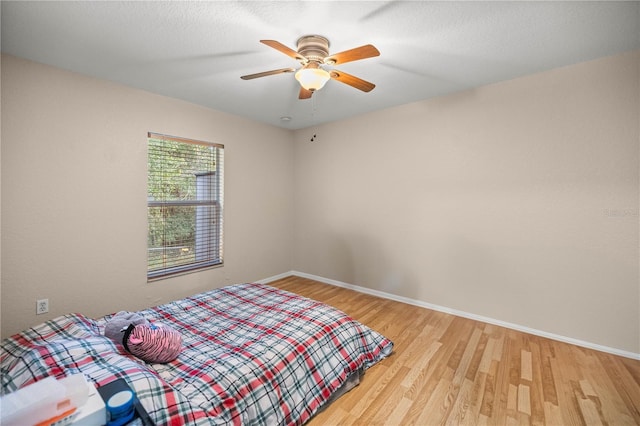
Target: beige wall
516,201
74,194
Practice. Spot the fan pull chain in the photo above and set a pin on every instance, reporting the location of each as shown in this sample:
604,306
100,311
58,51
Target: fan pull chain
313,116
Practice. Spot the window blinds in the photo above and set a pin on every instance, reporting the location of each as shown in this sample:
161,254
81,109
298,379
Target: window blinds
185,205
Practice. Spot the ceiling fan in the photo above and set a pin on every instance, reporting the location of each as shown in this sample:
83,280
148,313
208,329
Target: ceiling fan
313,53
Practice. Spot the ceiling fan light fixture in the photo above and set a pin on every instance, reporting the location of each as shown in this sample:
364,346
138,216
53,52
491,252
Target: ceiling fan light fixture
312,78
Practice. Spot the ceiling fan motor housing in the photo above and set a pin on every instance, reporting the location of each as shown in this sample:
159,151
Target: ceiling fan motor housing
313,47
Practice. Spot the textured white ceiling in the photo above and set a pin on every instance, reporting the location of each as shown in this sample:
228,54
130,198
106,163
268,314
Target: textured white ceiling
197,50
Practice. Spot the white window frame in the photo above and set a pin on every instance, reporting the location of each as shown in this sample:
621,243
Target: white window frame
205,249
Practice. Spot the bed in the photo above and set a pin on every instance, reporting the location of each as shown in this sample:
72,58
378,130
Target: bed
252,354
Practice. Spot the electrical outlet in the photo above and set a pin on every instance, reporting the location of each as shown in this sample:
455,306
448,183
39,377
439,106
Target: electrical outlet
42,306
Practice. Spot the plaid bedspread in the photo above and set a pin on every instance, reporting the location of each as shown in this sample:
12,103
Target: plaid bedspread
252,354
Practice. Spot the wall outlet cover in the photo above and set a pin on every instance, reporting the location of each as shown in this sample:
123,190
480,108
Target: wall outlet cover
42,306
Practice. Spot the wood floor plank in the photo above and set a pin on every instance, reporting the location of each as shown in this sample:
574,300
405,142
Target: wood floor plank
547,380
537,391
524,400
398,413
418,373
488,397
452,370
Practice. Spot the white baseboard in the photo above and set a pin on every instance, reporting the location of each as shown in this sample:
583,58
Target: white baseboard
277,277
455,312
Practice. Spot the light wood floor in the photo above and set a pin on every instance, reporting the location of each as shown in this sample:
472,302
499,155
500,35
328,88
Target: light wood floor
451,370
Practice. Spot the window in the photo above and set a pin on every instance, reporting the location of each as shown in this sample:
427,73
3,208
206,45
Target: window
185,205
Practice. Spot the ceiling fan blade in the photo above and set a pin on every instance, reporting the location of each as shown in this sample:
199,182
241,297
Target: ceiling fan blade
362,52
351,80
304,93
284,49
266,73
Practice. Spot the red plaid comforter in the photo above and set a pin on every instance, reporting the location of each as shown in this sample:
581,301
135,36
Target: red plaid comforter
252,354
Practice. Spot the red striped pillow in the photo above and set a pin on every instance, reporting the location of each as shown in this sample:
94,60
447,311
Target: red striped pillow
156,343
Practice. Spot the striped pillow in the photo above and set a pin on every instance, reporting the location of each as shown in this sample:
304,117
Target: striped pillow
156,343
